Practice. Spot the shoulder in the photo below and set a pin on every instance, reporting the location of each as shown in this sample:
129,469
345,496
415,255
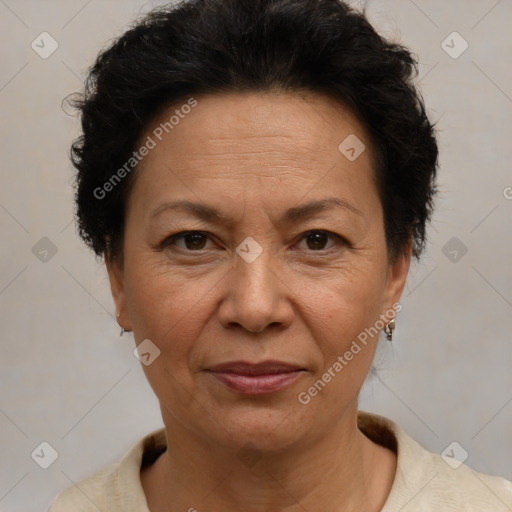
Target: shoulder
426,481
115,487
87,495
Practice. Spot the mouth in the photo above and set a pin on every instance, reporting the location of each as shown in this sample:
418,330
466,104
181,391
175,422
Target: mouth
256,378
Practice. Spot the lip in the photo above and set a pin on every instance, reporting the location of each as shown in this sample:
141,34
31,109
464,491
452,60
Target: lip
256,378
261,368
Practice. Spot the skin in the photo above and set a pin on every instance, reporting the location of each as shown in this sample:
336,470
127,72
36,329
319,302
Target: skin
252,156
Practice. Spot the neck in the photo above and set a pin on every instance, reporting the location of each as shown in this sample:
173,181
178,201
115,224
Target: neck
343,470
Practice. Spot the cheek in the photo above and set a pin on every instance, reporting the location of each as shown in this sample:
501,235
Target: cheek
169,308
345,303
347,341
171,312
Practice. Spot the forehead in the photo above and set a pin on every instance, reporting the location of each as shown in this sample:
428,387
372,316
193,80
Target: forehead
310,121
276,143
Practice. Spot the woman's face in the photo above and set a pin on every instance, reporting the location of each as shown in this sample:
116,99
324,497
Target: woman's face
288,263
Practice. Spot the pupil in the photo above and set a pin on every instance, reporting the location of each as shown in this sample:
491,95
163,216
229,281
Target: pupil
196,238
318,238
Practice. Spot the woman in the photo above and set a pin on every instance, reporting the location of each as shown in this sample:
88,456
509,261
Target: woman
257,175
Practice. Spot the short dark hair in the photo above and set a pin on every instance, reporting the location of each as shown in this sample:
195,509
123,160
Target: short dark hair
217,46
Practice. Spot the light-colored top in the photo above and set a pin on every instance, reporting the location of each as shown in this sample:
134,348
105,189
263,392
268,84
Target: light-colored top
424,481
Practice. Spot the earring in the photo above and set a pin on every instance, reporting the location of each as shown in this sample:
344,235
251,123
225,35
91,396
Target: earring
123,330
390,327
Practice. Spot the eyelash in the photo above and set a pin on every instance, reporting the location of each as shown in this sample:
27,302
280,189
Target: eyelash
182,234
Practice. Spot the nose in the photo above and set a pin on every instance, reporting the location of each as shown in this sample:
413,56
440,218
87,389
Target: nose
256,296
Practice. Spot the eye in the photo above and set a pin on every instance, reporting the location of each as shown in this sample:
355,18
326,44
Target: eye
317,239
193,240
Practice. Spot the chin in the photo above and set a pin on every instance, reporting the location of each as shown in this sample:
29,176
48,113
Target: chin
266,426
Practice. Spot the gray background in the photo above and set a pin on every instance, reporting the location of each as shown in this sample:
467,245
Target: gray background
67,376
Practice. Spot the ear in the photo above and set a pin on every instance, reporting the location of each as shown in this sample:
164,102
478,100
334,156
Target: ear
116,278
397,276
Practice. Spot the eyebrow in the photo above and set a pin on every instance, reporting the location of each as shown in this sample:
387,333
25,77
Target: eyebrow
294,214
